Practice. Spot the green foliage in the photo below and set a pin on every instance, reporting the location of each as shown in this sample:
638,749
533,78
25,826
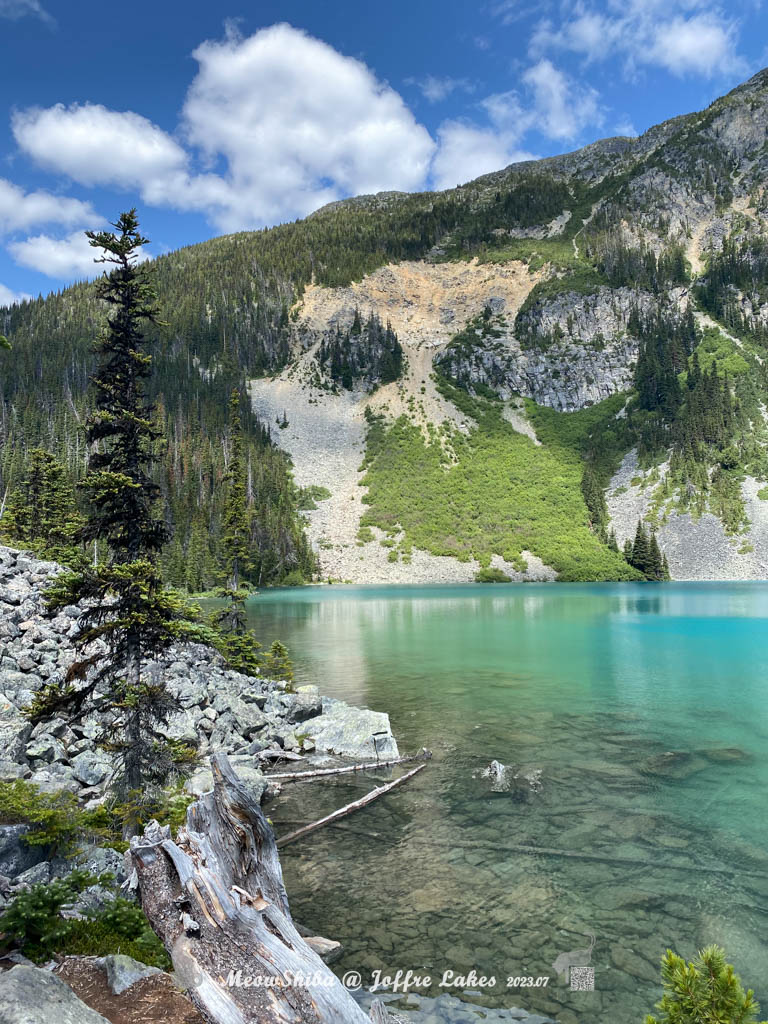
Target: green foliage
705,991
56,820
309,497
736,286
277,664
34,922
42,512
127,606
374,356
491,492
492,575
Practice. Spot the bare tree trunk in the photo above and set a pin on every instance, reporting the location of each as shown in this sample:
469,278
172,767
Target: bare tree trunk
216,899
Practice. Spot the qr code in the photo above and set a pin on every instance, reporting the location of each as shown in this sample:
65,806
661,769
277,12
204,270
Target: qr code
582,979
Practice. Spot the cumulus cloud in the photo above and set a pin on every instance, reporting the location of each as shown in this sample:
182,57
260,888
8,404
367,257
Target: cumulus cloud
17,9
20,211
682,36
97,146
467,151
298,124
294,123
61,258
551,103
562,107
8,297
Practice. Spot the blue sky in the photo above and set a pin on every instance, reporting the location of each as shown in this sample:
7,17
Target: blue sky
213,118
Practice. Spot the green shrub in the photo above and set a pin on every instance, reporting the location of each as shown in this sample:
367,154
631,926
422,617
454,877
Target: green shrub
704,991
491,575
492,491
34,923
55,819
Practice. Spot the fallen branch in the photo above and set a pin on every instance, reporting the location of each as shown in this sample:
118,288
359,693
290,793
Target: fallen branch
423,755
349,808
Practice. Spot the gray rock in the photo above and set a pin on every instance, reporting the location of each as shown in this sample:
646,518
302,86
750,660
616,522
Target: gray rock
31,995
53,777
91,767
45,748
123,971
10,770
100,859
351,732
35,875
15,854
202,780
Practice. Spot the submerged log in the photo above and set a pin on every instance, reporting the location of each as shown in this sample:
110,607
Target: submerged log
423,755
216,898
342,812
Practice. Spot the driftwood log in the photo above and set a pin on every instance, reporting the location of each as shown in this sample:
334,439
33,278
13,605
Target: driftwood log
216,898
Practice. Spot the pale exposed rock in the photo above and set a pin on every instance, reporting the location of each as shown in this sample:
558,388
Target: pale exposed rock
351,732
31,995
123,971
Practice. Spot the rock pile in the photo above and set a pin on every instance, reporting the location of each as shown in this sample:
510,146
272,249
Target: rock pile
252,718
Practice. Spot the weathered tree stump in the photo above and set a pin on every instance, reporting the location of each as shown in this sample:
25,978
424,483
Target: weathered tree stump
216,898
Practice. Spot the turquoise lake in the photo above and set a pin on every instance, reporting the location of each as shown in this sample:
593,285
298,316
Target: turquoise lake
646,709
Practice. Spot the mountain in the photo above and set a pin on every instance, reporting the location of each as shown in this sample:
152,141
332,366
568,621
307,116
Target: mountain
504,377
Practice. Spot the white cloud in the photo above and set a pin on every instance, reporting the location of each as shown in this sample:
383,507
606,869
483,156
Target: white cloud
299,124
62,258
552,104
295,123
467,151
563,107
436,89
97,146
682,36
21,210
8,297
16,9
703,44
624,126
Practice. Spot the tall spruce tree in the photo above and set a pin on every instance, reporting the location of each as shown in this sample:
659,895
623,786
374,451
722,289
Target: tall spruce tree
126,607
641,549
237,643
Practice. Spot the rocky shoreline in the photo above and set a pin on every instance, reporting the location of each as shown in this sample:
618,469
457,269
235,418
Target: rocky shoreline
257,721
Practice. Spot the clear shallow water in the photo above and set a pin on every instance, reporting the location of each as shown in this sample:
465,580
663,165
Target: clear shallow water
590,684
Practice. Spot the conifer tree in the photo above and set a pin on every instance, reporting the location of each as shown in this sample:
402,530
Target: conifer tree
238,644
126,605
640,549
42,511
655,570
705,991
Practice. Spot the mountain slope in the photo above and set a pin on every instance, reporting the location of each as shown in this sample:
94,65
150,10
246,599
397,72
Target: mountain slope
544,355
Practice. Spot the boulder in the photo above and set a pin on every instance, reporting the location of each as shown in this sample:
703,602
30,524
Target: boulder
327,949
202,780
14,734
45,748
31,995
52,777
351,732
123,971
39,873
90,767
15,854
